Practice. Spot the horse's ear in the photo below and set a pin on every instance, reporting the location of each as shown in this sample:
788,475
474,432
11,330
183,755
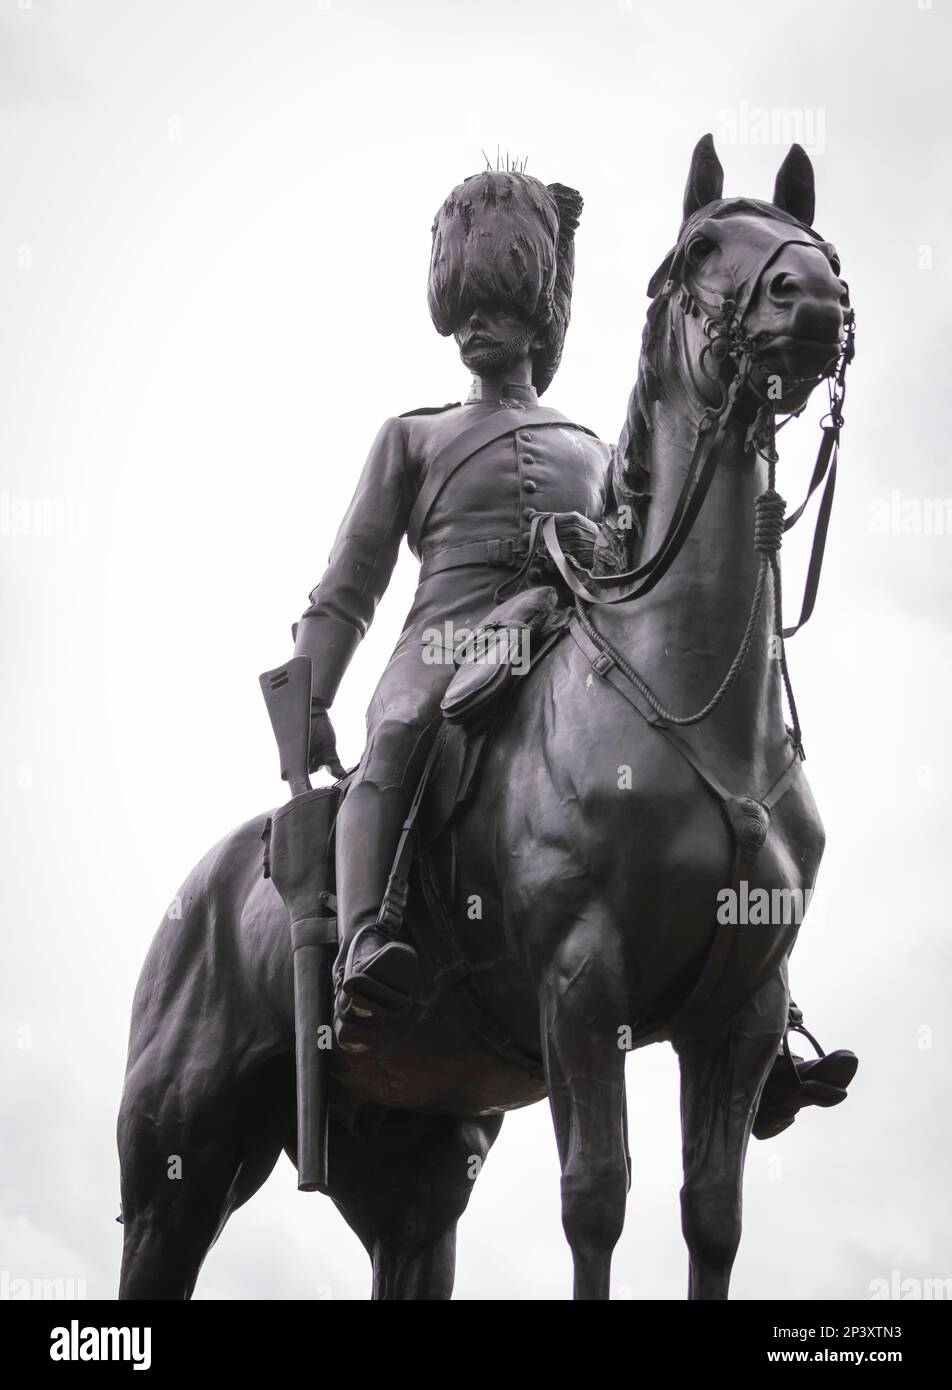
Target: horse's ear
794,190
705,177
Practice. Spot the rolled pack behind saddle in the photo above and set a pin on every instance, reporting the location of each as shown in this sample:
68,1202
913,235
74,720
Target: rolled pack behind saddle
299,838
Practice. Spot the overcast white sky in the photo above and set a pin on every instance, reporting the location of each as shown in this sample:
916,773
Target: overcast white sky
214,234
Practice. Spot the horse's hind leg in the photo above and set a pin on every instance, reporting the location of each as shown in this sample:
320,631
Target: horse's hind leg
721,1081
402,1187
189,1156
584,1011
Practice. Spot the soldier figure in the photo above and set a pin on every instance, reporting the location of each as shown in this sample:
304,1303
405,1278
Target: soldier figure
501,283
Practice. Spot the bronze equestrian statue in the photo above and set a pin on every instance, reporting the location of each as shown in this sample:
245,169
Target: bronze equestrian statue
528,872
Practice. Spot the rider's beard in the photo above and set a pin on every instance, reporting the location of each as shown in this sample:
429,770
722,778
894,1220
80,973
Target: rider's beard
498,359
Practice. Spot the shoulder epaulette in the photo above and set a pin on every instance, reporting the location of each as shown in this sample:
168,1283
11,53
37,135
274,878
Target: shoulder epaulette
430,409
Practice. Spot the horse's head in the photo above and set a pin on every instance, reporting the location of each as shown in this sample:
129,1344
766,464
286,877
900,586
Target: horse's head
757,287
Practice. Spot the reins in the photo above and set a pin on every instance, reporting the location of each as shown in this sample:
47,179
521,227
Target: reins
723,328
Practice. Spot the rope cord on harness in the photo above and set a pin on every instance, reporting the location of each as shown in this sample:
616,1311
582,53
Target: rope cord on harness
769,512
768,537
733,671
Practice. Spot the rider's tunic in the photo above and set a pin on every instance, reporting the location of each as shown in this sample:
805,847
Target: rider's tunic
491,497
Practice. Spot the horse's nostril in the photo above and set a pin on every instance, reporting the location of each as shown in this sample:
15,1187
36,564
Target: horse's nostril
818,319
782,286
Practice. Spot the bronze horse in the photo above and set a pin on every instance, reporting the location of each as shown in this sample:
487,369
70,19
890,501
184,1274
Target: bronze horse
599,883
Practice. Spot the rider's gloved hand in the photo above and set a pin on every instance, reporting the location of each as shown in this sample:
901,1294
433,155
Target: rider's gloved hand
577,536
323,745
595,546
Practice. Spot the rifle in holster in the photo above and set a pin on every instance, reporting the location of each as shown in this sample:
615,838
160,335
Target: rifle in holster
300,865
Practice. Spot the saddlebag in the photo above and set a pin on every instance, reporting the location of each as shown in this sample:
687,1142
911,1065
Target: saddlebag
500,651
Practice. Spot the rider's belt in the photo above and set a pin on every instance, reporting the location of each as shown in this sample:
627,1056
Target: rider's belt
509,552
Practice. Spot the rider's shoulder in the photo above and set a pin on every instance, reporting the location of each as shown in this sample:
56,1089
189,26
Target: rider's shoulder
428,422
430,410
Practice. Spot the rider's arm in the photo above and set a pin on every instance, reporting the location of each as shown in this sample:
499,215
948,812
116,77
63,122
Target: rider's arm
360,564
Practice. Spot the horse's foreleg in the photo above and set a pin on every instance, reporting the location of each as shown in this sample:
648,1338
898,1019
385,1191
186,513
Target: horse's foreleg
582,1017
721,1080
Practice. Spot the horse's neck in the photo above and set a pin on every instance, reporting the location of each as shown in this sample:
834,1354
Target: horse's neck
683,636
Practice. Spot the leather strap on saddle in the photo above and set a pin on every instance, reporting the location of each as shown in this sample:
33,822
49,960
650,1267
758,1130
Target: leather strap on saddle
394,905
460,449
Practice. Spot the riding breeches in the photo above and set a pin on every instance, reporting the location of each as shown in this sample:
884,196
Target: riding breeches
404,713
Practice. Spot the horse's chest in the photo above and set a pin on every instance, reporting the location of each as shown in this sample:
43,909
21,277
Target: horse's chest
696,859
666,842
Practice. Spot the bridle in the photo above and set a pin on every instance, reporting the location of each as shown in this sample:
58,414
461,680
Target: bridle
722,324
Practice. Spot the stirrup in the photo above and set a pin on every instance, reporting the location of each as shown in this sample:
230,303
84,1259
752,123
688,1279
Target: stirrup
386,983
793,1082
365,1001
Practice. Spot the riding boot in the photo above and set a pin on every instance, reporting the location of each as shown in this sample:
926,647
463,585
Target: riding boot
376,977
794,1083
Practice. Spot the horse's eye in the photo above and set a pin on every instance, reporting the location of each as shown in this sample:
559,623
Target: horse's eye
697,250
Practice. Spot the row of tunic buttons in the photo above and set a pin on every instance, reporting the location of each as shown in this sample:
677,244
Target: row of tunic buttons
525,437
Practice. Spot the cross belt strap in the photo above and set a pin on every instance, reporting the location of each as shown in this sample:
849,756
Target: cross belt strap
460,449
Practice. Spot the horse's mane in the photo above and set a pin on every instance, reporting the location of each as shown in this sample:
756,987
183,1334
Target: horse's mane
632,474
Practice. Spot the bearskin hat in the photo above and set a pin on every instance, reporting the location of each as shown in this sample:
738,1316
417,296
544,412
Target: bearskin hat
505,237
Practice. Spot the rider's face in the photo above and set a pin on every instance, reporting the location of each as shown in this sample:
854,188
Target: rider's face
489,329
